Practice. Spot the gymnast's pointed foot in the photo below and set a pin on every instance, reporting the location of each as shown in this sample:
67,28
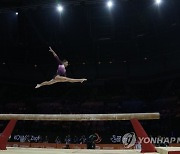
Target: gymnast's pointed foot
38,86
83,80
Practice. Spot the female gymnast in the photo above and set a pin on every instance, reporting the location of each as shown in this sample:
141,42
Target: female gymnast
60,74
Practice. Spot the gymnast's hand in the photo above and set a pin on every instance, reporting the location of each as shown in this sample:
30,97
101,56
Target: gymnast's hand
51,50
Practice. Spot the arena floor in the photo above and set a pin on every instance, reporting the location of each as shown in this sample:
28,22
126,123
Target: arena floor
66,151
15,150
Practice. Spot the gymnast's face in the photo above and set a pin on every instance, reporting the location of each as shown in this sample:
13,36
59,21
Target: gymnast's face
65,63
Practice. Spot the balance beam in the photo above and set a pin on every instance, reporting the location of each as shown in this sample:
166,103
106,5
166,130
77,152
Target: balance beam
80,117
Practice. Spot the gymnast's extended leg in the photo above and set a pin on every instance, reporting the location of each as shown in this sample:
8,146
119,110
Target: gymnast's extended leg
66,79
46,83
76,80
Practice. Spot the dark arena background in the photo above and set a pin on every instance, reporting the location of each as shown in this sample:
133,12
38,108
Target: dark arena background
129,52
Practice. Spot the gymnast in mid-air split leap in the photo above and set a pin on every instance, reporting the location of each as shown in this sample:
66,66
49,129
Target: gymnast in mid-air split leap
60,74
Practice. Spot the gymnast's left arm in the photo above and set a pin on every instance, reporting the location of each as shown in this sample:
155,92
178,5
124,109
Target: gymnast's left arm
55,55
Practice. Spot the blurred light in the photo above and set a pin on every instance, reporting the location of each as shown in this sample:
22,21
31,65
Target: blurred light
35,65
109,4
145,58
16,13
110,62
84,63
4,63
124,61
158,2
99,62
59,8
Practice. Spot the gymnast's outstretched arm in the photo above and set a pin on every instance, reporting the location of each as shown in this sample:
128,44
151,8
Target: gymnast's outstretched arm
55,56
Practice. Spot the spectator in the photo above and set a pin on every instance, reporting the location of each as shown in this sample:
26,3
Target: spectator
58,140
82,140
67,139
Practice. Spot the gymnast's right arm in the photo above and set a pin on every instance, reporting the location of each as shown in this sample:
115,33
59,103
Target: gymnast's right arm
55,55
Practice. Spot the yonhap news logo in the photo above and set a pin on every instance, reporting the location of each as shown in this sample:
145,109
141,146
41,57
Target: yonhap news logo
130,139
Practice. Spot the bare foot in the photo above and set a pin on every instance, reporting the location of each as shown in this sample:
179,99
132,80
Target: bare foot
38,86
83,80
